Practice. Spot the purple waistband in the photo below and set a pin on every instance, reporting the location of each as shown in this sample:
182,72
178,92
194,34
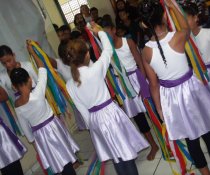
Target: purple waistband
101,106
41,125
12,136
173,83
144,91
208,66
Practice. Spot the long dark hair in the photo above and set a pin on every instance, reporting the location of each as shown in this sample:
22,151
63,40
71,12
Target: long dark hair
77,50
5,50
152,15
19,76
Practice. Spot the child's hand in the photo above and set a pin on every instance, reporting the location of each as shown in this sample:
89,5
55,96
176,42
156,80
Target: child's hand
29,46
169,3
95,28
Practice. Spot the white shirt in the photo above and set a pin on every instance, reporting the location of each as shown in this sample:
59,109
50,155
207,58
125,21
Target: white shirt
65,70
126,57
5,81
93,89
203,43
177,64
37,109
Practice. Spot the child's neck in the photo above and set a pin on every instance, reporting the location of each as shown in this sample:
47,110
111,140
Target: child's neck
196,31
117,42
23,99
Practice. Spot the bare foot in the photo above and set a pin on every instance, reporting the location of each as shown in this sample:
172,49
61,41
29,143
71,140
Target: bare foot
152,153
76,165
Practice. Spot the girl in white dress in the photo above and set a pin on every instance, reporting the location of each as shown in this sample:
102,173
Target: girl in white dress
53,143
130,57
11,148
113,134
180,98
202,35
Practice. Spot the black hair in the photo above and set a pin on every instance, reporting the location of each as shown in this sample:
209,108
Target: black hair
5,50
19,76
192,9
76,16
55,27
62,50
152,15
118,2
64,28
107,21
75,34
93,9
99,21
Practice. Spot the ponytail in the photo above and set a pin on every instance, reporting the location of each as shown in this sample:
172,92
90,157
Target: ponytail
76,54
159,46
75,74
152,16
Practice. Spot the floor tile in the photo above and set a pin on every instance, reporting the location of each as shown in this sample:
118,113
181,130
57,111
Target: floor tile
147,167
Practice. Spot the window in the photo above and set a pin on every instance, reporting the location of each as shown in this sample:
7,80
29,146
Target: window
70,8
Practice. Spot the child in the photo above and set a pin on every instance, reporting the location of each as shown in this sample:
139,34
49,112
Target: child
113,134
8,60
129,56
11,148
202,35
53,143
180,98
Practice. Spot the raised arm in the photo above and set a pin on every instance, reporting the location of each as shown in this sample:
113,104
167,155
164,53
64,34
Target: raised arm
39,63
3,95
105,58
183,34
42,72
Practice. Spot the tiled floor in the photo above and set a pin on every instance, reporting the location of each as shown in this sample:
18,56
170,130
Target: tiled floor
156,167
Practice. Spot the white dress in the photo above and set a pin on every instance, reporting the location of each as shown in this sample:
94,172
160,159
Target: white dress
135,105
65,72
113,134
185,105
203,42
11,148
54,144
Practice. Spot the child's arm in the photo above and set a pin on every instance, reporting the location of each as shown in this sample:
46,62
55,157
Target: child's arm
178,42
104,60
26,128
42,73
153,82
3,95
39,63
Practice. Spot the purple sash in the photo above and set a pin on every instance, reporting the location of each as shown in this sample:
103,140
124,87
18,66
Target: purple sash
101,106
173,83
12,136
145,92
208,66
41,125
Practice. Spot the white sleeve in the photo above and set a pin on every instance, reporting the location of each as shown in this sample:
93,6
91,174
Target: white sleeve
25,126
104,60
80,107
41,82
31,71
